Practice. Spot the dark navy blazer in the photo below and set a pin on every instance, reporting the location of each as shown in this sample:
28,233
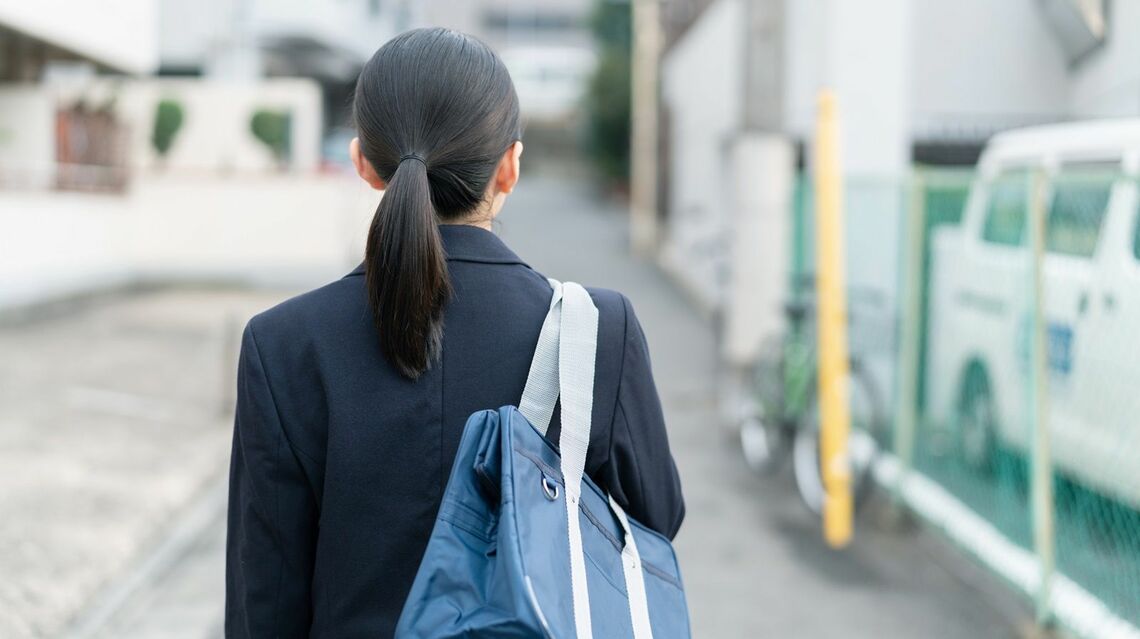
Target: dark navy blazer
339,462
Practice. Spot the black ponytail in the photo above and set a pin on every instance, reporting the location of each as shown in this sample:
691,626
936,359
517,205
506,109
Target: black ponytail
435,111
406,272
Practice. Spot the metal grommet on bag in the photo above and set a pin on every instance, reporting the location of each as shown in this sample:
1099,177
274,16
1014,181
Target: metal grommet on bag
549,488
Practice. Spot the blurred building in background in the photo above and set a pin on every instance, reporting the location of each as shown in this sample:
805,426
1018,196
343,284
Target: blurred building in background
115,35
243,40
107,170
919,83
145,143
922,87
924,82
65,42
199,146
153,100
546,44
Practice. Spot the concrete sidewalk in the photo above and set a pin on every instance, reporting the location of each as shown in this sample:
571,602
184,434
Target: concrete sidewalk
114,415
753,561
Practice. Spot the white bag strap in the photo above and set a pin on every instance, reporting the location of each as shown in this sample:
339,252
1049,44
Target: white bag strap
563,367
541,391
634,579
577,347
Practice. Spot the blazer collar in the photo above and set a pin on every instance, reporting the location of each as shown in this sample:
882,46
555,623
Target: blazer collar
465,243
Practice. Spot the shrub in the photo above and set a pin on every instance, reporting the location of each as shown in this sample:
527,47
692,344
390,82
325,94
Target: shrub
273,129
167,122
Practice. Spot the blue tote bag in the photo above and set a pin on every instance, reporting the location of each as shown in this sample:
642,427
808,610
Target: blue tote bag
524,545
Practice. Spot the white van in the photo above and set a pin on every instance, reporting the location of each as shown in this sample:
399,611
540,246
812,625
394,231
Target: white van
980,292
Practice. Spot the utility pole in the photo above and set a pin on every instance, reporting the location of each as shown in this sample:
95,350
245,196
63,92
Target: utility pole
764,65
647,44
762,170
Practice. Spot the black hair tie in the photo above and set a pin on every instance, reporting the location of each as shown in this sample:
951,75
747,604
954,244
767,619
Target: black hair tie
413,156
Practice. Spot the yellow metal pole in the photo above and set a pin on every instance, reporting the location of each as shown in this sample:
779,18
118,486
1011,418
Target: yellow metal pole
834,411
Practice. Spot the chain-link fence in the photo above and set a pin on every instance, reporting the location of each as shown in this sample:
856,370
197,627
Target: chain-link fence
1007,323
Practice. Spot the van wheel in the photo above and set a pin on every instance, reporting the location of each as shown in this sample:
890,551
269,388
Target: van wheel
977,441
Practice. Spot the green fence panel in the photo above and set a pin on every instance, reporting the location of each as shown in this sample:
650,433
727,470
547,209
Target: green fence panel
976,427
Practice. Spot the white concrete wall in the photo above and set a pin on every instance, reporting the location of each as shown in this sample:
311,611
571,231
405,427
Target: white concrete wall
190,30
276,230
805,46
862,52
27,136
215,134
1107,82
53,245
979,62
701,86
867,62
122,34
971,66
763,171
268,229
1014,70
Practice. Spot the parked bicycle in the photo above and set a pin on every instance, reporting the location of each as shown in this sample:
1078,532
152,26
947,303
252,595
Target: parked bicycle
782,418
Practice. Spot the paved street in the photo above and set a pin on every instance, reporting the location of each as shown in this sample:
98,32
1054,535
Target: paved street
752,557
753,561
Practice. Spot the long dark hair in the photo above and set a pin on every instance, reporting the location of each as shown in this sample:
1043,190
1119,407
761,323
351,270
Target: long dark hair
435,111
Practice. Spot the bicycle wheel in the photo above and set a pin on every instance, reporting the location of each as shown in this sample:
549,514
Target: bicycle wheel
763,438
867,421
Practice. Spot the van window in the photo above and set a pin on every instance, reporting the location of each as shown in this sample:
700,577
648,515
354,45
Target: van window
1077,210
1005,208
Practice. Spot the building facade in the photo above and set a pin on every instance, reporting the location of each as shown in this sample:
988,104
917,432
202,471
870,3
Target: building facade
116,35
918,82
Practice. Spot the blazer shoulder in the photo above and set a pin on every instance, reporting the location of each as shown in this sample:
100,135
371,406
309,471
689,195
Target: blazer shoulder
614,313
610,303
311,311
